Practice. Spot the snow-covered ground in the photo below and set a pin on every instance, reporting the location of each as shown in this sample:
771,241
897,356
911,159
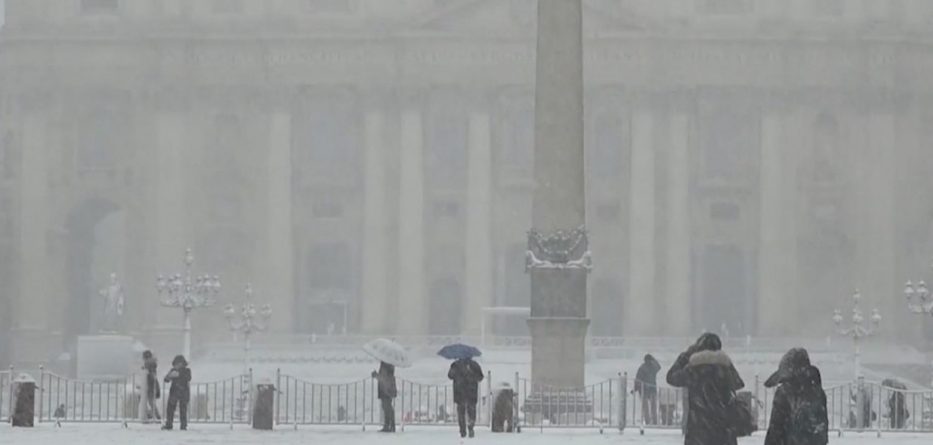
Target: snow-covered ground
85,434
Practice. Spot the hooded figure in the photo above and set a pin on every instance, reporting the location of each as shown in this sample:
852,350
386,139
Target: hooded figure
798,413
711,381
387,391
148,408
646,384
179,394
466,375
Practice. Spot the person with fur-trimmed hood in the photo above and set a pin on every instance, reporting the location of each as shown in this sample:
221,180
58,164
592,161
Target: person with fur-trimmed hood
710,379
798,414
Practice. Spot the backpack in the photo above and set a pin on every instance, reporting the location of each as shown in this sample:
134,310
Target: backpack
741,417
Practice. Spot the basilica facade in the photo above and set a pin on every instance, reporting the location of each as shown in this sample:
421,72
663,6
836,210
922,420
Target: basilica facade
368,165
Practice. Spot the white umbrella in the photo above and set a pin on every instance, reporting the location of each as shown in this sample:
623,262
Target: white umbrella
388,351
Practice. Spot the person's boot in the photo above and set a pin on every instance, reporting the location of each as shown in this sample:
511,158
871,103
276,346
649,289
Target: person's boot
472,434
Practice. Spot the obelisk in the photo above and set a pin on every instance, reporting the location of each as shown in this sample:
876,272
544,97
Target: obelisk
558,259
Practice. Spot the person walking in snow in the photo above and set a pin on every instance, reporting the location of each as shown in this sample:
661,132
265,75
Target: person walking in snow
180,393
711,381
798,414
387,392
646,385
466,375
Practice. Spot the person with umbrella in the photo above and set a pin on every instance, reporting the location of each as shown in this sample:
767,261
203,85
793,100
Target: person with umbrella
390,355
466,375
897,405
387,392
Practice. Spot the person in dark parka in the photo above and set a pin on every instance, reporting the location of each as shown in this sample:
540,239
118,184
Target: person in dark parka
646,385
466,375
709,377
798,413
897,403
180,393
387,392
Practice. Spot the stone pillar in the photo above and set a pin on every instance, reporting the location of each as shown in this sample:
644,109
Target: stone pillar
172,226
676,314
375,275
278,286
479,260
558,322
876,254
778,239
411,226
32,305
641,297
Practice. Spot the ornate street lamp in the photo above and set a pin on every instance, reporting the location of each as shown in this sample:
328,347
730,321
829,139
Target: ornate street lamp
187,292
858,329
919,300
247,320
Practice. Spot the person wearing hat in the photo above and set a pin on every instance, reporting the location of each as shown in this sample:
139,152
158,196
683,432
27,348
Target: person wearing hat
179,394
798,414
387,392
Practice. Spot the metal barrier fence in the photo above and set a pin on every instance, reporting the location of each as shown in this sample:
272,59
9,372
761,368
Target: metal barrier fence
300,402
61,399
6,394
601,405
223,401
611,404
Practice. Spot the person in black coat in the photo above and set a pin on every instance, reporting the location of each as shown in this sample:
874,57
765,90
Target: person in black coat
180,393
798,414
711,380
646,385
387,392
466,375
148,408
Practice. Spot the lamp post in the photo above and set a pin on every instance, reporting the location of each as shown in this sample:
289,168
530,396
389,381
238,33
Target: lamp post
858,329
247,320
188,292
918,300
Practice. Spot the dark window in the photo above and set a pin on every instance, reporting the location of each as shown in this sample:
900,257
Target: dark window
445,300
730,137
327,208
727,7
7,162
329,6
824,159
100,140
227,6
327,143
608,142
724,211
329,266
447,162
725,302
446,209
829,8
99,6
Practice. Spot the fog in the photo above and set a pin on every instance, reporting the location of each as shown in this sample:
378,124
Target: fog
368,166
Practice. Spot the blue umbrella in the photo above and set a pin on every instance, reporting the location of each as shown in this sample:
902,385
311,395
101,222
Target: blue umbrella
458,350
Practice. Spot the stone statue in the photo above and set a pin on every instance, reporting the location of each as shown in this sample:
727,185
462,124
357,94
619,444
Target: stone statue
113,305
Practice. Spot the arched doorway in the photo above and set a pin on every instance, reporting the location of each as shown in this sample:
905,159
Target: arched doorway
724,304
95,248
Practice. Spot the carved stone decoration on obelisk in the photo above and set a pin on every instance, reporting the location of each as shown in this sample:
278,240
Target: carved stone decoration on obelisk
558,258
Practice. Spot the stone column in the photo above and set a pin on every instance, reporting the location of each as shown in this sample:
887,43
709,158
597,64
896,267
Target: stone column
676,315
172,226
641,297
876,254
375,275
558,322
32,305
278,287
479,259
778,240
411,226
